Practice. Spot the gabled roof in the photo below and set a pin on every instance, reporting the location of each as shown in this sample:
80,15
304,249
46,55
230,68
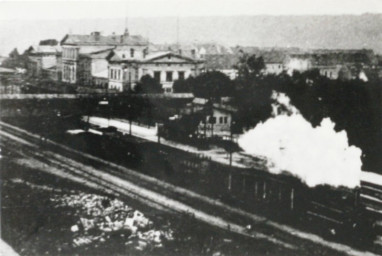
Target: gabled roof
97,39
44,49
160,55
117,56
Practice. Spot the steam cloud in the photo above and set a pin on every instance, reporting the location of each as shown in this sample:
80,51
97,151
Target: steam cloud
315,155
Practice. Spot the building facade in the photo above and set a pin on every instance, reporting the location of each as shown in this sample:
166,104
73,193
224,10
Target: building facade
125,70
85,56
43,59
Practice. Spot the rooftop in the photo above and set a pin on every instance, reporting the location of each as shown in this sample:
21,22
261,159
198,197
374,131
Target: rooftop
95,38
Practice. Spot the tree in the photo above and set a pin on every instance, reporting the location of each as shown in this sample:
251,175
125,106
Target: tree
147,84
249,66
212,85
183,86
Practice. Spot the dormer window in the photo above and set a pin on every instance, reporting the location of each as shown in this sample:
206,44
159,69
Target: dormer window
132,53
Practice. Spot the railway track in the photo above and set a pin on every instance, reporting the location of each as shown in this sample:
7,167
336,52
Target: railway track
71,168
130,183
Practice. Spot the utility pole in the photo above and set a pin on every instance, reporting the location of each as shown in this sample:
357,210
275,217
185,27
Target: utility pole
177,31
231,149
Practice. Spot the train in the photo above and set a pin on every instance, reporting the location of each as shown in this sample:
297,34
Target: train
331,211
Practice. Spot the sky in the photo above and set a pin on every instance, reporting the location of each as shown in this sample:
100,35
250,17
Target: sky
26,10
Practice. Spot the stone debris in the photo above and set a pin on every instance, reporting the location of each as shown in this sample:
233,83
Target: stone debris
100,217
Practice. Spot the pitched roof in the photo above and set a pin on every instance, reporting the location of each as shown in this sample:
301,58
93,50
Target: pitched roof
46,49
97,39
118,56
224,107
159,55
200,101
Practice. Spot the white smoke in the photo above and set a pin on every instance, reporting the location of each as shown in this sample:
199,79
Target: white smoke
315,155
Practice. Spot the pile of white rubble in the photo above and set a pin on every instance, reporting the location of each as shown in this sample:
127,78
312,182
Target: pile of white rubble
101,217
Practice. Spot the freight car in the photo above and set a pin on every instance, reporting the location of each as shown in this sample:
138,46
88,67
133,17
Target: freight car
340,212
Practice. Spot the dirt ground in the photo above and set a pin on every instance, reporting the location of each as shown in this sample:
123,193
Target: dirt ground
33,225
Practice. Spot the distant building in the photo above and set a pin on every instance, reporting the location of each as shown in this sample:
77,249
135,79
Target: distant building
126,68
222,63
217,117
218,123
2,59
43,59
77,52
333,64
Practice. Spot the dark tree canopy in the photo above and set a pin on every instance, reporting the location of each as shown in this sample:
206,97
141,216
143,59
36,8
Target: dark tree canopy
209,85
249,66
147,84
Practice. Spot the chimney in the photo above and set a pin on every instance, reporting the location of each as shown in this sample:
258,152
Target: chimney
144,53
96,35
193,53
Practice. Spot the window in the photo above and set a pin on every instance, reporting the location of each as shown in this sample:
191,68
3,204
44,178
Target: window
123,56
119,74
157,75
169,64
132,53
169,76
221,120
169,56
181,75
225,119
212,120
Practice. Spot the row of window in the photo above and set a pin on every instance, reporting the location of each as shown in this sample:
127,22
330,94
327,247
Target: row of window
68,73
212,120
115,74
70,53
169,75
132,53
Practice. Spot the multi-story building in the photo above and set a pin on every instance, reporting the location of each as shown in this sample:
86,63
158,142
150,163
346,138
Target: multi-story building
126,67
84,56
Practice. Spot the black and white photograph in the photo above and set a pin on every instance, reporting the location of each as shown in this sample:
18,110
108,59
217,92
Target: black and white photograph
191,128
